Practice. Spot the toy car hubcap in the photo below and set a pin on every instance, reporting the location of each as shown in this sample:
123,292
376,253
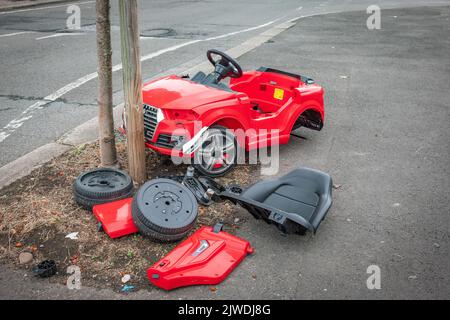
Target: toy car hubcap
217,152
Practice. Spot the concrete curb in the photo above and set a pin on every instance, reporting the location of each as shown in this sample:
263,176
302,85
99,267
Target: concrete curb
88,131
24,165
18,6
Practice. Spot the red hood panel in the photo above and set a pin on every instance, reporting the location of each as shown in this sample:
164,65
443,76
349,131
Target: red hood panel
176,93
206,257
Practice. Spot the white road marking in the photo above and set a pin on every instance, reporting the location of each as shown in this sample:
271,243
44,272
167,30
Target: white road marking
44,8
60,35
14,124
15,34
240,31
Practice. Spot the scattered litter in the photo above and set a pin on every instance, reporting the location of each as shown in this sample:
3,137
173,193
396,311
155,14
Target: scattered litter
41,246
325,289
25,257
33,248
412,277
437,245
254,275
236,220
72,236
343,77
337,186
395,205
45,269
19,245
74,259
381,241
127,288
213,289
126,278
349,220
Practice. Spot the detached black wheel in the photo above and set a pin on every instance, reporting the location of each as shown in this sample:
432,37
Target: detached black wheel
102,185
164,210
217,153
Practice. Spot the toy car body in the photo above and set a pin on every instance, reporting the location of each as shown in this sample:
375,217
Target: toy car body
178,111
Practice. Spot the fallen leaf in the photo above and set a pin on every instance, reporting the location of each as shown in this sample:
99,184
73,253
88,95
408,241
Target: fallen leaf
213,289
19,244
33,248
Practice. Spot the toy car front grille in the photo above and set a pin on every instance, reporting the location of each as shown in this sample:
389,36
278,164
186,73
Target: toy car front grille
165,141
150,121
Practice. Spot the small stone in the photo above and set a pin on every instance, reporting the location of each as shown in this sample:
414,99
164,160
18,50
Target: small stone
126,278
236,220
349,220
412,277
337,186
437,245
25,257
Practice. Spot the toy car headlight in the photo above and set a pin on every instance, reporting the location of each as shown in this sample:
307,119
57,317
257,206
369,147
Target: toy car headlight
159,115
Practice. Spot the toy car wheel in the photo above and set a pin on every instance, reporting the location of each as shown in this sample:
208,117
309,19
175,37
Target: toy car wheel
164,210
217,153
100,186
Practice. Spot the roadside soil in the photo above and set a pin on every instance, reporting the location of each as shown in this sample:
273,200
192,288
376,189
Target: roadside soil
38,211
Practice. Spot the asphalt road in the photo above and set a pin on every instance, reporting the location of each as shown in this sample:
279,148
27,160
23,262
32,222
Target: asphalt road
385,143
46,83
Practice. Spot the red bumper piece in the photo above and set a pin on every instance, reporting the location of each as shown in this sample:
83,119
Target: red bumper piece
116,218
206,257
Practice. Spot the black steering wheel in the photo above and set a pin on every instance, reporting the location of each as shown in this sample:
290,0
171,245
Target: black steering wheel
225,66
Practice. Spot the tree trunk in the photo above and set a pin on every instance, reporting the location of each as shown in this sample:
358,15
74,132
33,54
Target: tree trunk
132,87
105,104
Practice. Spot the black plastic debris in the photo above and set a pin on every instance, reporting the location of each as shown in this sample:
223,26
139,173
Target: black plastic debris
45,269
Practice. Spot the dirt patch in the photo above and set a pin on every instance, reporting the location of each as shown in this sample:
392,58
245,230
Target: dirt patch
38,211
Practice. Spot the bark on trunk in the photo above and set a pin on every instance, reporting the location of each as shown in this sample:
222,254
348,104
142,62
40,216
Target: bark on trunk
108,153
132,86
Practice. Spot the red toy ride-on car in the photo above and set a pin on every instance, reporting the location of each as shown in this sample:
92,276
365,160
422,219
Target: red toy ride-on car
191,115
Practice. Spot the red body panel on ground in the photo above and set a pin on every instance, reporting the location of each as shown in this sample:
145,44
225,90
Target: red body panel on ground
116,218
206,257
